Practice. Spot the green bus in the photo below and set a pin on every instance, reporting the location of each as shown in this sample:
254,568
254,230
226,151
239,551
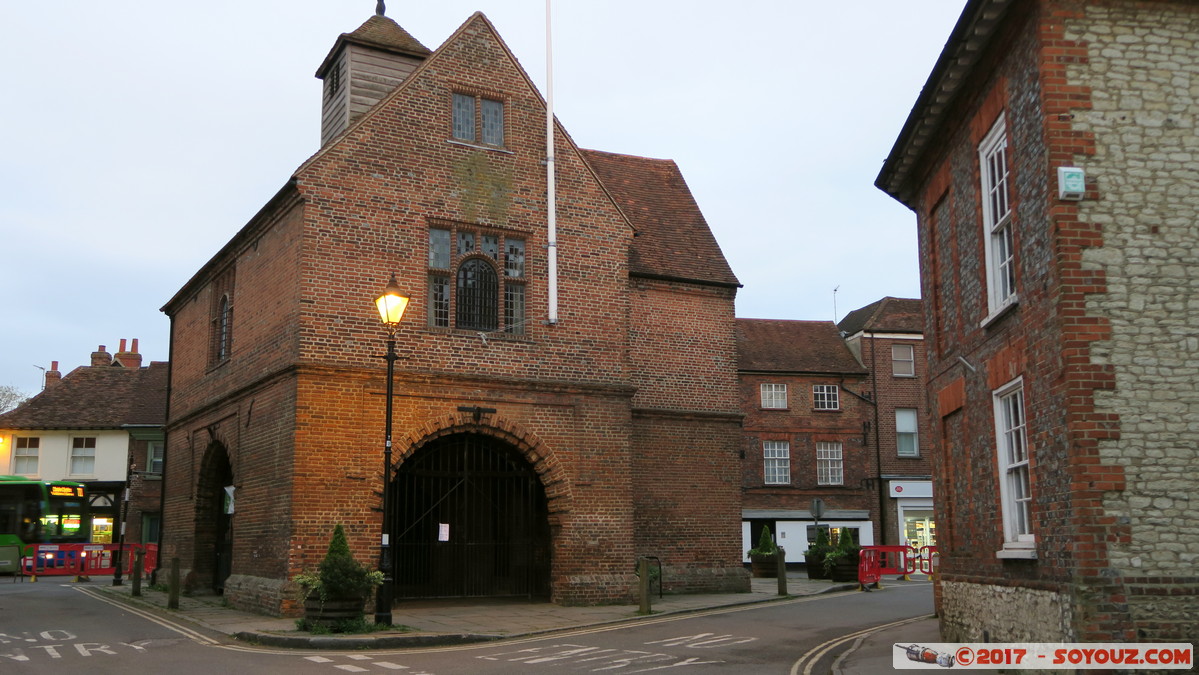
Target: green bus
43,512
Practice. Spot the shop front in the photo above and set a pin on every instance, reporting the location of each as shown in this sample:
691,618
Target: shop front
914,506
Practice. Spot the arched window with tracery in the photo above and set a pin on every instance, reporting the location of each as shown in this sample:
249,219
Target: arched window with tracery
479,274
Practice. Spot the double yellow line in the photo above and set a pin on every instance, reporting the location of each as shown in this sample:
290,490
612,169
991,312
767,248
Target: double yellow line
809,660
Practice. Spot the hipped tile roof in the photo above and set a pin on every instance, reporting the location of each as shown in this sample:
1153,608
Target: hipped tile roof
379,32
775,345
891,315
673,240
96,397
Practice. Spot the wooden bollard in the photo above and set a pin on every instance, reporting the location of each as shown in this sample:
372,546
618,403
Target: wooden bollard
138,559
643,585
173,585
780,559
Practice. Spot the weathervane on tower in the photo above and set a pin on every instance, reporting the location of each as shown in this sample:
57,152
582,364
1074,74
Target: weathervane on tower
380,8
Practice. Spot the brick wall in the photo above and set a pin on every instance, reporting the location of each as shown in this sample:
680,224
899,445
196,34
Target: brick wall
298,408
803,428
1098,335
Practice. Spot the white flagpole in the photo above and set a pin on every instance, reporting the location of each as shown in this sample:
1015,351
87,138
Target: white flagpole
551,187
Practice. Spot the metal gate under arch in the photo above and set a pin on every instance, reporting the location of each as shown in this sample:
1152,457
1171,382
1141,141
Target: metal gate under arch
470,521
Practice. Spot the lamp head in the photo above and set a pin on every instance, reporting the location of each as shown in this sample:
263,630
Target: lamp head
392,303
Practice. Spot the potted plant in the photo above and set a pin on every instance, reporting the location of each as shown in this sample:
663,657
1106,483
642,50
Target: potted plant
337,592
841,563
815,555
762,557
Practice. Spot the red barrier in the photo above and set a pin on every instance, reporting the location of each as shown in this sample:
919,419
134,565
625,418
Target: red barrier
85,559
875,561
929,560
870,565
895,560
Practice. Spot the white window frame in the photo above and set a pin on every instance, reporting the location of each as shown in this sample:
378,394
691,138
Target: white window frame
826,397
905,363
830,463
994,171
907,425
773,396
1012,457
75,456
155,453
20,454
776,462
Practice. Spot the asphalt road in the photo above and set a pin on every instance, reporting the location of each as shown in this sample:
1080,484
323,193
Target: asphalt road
51,627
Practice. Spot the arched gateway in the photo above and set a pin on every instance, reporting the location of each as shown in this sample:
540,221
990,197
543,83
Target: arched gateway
470,520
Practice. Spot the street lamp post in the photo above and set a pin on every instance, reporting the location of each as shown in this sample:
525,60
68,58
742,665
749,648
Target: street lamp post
391,305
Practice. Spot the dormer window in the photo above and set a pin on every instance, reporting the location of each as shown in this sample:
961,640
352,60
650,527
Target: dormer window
478,119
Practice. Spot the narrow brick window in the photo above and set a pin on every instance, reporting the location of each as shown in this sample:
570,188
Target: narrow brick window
25,456
1015,488
997,219
825,397
830,468
221,319
903,361
476,279
774,396
776,462
907,443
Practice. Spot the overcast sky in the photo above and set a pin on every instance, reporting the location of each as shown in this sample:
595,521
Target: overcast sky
137,137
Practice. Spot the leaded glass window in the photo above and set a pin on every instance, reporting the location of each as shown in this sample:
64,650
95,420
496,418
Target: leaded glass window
464,117
477,295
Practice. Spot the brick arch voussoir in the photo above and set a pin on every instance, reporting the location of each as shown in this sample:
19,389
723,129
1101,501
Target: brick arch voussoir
538,454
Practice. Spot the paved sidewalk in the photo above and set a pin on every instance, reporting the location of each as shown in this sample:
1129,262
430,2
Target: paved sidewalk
444,622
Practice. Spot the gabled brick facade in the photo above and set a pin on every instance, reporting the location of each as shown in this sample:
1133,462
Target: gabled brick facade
621,418
1087,364
887,338
789,426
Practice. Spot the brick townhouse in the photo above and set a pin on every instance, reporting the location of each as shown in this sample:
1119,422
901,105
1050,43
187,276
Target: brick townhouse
542,441
887,337
1050,163
805,434
102,425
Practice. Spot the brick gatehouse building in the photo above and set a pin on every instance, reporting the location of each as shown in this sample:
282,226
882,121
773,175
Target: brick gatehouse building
532,456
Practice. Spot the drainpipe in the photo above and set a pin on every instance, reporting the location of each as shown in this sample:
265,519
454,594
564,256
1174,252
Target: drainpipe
878,450
166,455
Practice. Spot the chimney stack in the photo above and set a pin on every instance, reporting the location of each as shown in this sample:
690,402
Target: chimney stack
53,377
128,359
101,357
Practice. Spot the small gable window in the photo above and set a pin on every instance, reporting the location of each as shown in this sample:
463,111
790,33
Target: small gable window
478,120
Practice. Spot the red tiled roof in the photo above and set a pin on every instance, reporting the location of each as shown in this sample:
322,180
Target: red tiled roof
673,239
96,397
893,315
775,345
